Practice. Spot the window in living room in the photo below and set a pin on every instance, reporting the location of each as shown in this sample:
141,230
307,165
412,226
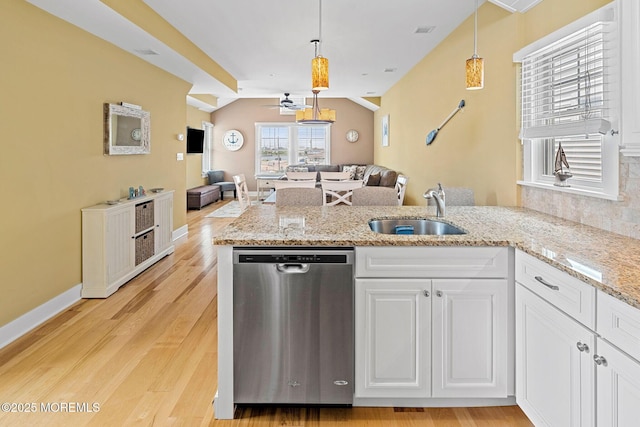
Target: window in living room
207,150
279,145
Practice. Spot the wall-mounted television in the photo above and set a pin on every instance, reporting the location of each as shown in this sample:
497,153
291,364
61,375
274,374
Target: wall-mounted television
195,140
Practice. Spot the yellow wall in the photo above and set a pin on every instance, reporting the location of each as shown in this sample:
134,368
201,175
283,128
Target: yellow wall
195,117
55,79
479,147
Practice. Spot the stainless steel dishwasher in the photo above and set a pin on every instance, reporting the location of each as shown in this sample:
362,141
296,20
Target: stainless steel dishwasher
293,326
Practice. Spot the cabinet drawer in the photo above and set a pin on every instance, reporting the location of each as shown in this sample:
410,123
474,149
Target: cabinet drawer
432,262
619,323
567,293
266,183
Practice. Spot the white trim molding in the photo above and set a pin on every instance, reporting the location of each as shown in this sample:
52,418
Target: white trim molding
180,232
30,320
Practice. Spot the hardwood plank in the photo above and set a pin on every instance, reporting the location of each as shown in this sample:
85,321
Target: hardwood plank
148,356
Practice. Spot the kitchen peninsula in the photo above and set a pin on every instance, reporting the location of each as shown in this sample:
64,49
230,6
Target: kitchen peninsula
602,265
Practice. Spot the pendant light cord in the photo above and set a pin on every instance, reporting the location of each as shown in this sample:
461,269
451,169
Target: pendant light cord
320,28
475,33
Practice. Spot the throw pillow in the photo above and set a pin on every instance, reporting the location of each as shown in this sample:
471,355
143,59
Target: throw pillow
373,180
298,169
360,172
351,169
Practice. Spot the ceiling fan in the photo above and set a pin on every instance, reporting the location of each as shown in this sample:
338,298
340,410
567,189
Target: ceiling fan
289,104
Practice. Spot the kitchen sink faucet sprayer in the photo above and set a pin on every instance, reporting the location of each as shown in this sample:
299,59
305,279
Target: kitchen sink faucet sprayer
437,194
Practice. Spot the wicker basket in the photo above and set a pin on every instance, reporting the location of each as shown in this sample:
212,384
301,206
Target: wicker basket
145,246
144,216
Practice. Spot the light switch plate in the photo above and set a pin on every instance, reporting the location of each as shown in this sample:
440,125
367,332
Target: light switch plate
180,156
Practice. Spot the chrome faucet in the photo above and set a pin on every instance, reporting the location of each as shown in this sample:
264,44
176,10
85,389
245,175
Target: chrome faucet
437,194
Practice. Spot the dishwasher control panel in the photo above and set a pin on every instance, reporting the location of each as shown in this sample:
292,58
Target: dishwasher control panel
293,258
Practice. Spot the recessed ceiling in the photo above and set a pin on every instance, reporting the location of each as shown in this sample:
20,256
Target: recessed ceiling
266,44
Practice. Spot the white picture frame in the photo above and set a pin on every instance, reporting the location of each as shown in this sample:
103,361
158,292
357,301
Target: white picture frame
385,130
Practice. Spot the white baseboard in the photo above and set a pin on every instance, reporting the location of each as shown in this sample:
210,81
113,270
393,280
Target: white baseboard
23,324
180,232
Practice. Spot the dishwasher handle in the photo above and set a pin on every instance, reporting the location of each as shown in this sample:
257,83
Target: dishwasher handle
292,268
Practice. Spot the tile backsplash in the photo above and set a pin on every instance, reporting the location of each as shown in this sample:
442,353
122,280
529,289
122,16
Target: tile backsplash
621,217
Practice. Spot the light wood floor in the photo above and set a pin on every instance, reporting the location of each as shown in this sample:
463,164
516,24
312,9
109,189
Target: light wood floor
147,355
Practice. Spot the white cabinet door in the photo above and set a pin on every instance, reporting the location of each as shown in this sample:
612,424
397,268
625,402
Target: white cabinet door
618,391
470,338
163,212
554,367
393,338
120,244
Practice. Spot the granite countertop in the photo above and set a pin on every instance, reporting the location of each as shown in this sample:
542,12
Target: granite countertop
606,260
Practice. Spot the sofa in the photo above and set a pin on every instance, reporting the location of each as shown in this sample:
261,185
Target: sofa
372,175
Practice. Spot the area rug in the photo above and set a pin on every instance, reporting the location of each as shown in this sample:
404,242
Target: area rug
230,210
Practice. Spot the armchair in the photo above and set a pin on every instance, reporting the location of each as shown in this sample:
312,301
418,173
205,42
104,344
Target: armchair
217,177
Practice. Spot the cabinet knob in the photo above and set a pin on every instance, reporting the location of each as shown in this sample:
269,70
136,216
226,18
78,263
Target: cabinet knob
439,293
582,346
426,293
599,360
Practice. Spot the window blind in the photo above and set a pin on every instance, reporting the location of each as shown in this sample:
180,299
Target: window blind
565,85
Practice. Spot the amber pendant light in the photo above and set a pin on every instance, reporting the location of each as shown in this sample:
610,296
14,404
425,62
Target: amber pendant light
319,71
475,64
319,64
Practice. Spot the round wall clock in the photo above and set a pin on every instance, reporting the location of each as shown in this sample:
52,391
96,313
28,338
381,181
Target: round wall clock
136,134
233,140
352,135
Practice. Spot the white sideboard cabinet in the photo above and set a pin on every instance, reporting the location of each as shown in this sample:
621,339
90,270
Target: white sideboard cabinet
432,323
120,241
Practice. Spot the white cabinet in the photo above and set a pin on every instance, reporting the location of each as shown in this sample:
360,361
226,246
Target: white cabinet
618,395
618,369
393,337
554,367
163,212
555,343
120,256
577,350
629,12
422,335
120,241
470,338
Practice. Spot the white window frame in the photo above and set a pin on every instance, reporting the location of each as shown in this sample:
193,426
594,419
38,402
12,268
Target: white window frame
207,150
293,142
533,146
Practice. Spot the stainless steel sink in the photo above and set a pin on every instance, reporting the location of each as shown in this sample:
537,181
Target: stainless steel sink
414,226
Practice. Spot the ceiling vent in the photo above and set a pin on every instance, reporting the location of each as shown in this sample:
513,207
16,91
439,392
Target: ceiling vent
425,30
145,52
